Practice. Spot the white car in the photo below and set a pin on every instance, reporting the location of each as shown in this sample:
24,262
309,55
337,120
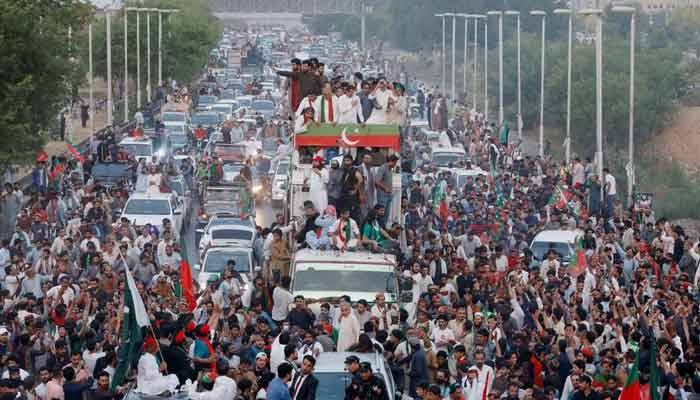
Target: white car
184,195
152,208
228,235
214,262
562,242
139,148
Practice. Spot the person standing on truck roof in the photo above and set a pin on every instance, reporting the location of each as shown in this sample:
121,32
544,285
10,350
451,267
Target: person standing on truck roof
309,80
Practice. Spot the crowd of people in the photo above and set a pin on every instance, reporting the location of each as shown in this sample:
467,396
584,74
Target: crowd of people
488,317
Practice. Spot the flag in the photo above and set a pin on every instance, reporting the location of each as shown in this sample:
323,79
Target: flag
578,265
655,375
131,336
186,284
559,198
503,136
632,389
75,153
42,156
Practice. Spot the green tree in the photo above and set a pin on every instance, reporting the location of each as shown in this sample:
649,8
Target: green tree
188,37
39,70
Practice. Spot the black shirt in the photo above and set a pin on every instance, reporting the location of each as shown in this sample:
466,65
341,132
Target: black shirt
303,319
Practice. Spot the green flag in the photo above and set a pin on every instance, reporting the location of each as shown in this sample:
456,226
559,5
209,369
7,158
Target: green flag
503,136
655,375
130,341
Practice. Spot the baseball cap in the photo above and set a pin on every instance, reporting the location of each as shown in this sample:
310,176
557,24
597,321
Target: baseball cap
261,356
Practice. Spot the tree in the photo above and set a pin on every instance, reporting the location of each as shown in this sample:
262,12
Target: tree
188,37
37,72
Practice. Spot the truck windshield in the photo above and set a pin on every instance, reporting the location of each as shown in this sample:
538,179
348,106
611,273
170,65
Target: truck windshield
343,279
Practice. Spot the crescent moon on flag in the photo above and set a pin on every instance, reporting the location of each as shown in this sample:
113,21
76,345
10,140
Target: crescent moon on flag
344,138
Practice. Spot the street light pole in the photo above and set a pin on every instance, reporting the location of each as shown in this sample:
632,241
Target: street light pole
148,57
476,56
138,59
108,19
543,15
567,142
598,13
520,111
466,37
126,68
442,54
499,14
631,179
92,84
486,69
451,103
160,42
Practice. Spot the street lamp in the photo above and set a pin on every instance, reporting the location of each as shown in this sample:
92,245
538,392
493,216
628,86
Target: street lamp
598,13
442,54
543,15
567,142
630,167
476,17
466,34
160,41
499,14
520,115
454,50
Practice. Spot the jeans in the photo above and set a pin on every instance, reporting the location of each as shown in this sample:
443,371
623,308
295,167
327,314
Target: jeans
384,199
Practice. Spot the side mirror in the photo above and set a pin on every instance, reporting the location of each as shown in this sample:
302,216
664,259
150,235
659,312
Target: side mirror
258,268
199,231
197,267
177,211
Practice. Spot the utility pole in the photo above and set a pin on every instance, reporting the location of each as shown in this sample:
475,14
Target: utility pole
110,117
126,68
92,83
363,9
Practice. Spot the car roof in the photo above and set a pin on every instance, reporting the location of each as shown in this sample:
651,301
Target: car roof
335,361
241,226
557,236
150,196
364,257
130,140
228,250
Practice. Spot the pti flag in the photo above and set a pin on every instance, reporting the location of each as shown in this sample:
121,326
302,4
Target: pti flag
135,317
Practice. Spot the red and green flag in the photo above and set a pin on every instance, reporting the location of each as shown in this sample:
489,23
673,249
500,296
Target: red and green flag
578,264
632,389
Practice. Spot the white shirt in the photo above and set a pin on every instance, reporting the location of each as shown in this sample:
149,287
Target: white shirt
442,337
612,185
349,109
281,299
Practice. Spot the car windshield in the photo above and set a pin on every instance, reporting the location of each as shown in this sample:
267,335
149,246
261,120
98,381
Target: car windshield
177,187
231,234
111,169
445,159
243,102
178,139
282,168
540,250
223,195
222,108
147,207
205,119
173,117
138,149
263,105
331,385
207,99
216,261
337,278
